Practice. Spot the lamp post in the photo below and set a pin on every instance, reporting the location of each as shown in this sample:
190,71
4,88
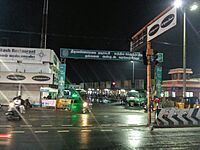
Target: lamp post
184,52
194,6
133,73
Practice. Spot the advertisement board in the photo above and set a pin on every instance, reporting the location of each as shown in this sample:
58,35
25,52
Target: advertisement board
62,79
99,54
48,103
161,25
26,78
25,55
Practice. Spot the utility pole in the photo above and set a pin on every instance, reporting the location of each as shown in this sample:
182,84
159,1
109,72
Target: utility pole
149,53
43,40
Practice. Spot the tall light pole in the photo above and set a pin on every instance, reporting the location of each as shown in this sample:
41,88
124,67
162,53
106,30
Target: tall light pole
184,52
194,6
43,39
133,73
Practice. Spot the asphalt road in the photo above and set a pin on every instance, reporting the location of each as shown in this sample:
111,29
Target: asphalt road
107,127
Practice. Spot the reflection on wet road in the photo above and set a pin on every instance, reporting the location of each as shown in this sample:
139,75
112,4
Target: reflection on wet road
110,128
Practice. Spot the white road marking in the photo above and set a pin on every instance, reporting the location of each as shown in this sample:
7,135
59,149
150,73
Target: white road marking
105,125
28,125
41,131
106,130
86,130
67,125
87,125
46,125
17,131
63,131
5,126
121,125
48,116
127,129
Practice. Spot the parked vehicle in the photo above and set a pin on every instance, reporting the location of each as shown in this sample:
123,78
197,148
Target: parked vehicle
134,97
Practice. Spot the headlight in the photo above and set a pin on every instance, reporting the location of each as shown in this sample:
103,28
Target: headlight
12,105
85,104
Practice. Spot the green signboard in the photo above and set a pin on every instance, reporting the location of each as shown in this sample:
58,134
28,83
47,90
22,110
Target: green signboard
100,54
62,76
158,80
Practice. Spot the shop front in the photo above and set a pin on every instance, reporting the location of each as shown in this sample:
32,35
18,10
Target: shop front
25,84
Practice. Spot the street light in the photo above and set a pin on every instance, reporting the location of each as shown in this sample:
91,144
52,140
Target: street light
194,6
133,73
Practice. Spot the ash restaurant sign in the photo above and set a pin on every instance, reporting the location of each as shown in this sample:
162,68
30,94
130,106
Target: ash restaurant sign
164,23
26,55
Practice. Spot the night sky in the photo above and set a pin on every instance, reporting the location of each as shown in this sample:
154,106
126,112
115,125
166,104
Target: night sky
102,25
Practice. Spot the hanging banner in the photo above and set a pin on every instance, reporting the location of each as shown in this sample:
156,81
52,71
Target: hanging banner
158,80
164,23
61,83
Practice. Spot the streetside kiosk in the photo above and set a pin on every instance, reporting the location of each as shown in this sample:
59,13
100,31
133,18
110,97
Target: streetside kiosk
48,97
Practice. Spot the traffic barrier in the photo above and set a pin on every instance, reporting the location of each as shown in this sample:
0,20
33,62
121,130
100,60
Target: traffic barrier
173,117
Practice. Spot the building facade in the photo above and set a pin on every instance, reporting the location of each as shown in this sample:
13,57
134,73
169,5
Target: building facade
23,71
174,87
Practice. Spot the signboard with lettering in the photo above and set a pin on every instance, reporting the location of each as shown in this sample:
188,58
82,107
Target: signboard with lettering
25,78
161,25
139,41
99,54
25,55
48,103
158,80
62,79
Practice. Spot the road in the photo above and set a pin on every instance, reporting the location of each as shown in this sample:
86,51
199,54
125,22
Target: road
109,126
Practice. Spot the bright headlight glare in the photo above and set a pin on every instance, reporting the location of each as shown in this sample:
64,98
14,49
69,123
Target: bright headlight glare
178,3
85,104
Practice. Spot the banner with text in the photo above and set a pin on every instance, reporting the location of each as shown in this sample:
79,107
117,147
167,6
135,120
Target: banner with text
26,78
164,23
99,54
26,55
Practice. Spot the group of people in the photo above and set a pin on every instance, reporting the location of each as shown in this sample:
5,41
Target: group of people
19,102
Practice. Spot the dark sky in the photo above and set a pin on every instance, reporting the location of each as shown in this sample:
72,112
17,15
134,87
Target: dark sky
103,24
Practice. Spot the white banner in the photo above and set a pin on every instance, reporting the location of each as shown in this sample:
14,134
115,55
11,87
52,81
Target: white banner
48,103
164,23
26,78
26,55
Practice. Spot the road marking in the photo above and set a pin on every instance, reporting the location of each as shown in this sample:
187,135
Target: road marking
28,125
5,126
63,131
48,116
86,130
105,125
41,131
106,130
127,129
67,125
46,125
121,125
17,131
87,125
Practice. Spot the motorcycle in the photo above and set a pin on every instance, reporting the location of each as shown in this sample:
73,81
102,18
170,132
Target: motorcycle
146,108
86,107
13,112
27,104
